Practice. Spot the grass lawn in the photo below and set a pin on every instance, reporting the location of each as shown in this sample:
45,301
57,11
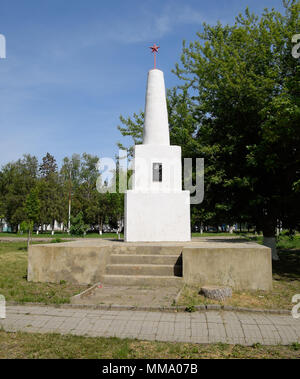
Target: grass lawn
25,345
114,235
59,235
286,283
13,279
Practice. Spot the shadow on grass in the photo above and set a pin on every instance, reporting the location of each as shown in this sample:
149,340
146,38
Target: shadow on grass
226,239
288,267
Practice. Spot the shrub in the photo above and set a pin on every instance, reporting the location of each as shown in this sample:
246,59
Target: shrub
78,227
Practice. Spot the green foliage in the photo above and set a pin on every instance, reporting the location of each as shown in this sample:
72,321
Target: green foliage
190,309
26,226
245,94
32,206
56,240
16,181
295,346
132,127
48,166
78,227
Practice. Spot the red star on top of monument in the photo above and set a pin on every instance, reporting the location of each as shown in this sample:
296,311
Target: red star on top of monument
154,48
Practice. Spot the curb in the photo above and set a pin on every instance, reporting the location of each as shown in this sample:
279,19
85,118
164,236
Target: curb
117,307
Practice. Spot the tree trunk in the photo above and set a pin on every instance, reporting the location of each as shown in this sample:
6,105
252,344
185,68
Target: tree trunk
100,225
69,214
28,239
119,229
269,238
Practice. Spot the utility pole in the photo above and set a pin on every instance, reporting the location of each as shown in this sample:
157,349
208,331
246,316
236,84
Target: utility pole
70,189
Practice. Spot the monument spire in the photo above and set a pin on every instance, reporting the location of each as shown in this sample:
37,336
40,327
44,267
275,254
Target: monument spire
154,49
156,125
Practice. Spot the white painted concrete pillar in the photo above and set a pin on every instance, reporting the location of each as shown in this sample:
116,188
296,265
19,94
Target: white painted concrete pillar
156,126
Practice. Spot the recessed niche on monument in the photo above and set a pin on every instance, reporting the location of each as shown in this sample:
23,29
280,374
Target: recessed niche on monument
157,172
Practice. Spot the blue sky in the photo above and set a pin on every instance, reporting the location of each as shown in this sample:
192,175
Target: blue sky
73,66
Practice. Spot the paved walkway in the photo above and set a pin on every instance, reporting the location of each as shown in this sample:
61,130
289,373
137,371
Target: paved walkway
198,327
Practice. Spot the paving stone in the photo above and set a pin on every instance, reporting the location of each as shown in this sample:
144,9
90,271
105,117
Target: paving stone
269,333
245,318
280,320
252,334
234,331
198,317
201,339
296,330
287,333
138,316
168,317
199,327
153,316
216,330
230,317
199,330
214,317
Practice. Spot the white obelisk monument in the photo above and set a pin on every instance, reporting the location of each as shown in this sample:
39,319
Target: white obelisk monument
156,208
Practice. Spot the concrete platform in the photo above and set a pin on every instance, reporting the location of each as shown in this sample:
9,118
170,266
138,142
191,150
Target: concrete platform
202,261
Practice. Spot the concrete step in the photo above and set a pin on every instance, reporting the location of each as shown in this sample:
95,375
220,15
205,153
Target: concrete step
145,259
142,280
144,269
151,250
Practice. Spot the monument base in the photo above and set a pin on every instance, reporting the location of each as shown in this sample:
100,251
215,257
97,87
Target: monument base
230,262
157,216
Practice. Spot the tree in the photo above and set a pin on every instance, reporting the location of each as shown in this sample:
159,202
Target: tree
48,166
85,197
103,209
245,92
78,227
70,177
132,127
50,192
16,181
32,209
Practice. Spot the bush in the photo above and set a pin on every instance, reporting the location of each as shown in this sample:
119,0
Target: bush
287,233
78,227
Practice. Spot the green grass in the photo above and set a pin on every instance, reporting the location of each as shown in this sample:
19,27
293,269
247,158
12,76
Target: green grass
33,345
59,235
286,283
221,234
13,279
113,235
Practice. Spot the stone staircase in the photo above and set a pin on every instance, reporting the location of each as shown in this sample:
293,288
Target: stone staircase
145,265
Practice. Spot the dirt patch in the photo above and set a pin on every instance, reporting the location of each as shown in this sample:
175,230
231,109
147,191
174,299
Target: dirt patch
128,295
